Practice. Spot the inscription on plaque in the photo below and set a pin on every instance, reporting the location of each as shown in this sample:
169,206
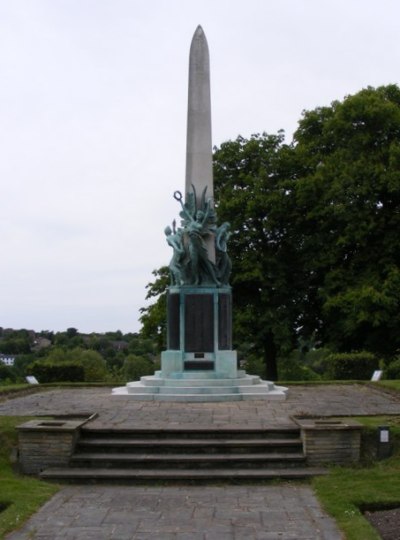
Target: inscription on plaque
199,323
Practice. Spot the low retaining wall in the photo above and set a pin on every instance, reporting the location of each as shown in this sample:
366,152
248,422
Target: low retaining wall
47,443
330,441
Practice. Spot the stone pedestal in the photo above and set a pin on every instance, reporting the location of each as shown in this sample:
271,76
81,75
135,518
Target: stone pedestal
199,363
47,443
330,440
199,335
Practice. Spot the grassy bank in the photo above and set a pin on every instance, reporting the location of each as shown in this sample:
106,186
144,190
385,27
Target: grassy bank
20,496
345,492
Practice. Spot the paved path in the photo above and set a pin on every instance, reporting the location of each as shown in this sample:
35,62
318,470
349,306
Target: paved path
181,513
284,512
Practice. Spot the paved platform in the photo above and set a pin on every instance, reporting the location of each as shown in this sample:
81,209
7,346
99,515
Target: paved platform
181,513
121,412
284,512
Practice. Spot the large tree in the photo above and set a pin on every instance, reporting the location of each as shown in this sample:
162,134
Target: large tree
348,197
253,185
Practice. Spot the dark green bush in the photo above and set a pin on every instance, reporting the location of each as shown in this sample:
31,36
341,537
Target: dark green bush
254,366
6,373
355,365
393,370
293,367
46,372
135,367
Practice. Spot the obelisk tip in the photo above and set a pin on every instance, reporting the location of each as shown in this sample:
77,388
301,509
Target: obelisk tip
199,31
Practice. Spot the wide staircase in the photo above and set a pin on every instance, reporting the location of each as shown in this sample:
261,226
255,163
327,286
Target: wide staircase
128,456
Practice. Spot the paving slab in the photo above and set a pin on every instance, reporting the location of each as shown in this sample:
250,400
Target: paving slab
121,412
179,513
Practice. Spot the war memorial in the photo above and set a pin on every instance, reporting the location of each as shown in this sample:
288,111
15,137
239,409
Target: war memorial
199,363
183,469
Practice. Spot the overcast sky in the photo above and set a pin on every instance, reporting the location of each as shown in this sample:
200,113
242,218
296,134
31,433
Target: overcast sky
93,97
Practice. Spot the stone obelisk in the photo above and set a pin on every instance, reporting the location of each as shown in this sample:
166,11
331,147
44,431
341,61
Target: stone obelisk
198,141
199,363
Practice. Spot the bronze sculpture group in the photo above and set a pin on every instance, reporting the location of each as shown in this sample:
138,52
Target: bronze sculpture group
190,264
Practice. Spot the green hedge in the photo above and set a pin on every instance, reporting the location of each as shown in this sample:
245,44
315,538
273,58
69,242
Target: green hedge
46,372
393,370
357,365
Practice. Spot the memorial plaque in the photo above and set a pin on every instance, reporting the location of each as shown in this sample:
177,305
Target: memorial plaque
199,323
192,365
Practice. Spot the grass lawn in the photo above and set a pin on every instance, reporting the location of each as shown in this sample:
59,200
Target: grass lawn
21,496
346,491
394,385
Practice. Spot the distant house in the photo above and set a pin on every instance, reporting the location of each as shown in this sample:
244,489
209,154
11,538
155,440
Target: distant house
7,359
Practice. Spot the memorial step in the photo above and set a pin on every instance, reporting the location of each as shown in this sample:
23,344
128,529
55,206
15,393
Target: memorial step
208,475
186,460
191,381
283,432
125,444
103,454
198,398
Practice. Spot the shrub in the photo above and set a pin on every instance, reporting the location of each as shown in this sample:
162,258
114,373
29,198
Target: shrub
6,374
393,369
254,366
296,372
64,372
94,366
316,359
293,367
135,367
355,365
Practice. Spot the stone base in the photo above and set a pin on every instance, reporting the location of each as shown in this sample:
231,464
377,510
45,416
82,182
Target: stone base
47,443
201,386
330,440
223,364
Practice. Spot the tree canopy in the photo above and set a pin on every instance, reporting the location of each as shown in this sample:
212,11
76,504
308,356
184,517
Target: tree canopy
348,198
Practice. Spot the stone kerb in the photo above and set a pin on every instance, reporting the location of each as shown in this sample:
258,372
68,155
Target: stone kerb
329,440
47,443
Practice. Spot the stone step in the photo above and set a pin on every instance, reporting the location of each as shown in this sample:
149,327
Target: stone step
150,380
137,388
182,444
197,390
219,433
130,475
199,398
180,460
134,388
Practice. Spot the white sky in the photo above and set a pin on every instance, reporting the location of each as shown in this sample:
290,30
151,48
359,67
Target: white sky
93,97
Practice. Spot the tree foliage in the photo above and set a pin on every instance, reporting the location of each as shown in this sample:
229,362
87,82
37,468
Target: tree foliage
135,367
349,200
252,187
154,316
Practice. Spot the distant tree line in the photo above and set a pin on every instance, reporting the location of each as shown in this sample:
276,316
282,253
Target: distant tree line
72,356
